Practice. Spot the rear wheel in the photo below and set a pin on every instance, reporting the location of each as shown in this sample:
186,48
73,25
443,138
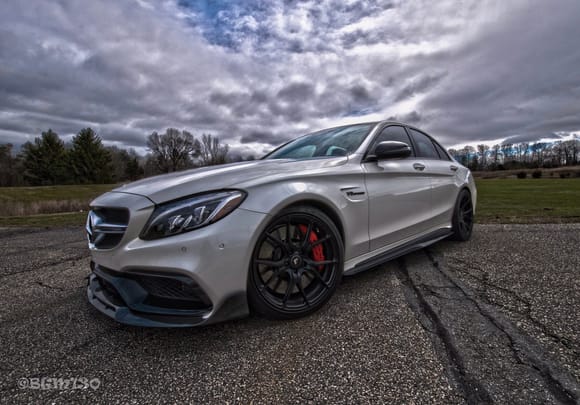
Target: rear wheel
463,217
296,265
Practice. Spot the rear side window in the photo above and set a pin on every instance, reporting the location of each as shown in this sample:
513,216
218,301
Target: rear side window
442,154
425,147
392,133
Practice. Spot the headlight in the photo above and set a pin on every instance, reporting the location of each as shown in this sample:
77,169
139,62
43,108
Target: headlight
187,214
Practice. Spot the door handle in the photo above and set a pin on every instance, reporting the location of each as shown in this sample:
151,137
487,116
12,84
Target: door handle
418,166
453,168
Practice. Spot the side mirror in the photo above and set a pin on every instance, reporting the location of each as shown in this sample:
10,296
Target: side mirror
392,150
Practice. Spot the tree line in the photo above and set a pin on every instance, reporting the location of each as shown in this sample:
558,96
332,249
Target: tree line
522,155
48,160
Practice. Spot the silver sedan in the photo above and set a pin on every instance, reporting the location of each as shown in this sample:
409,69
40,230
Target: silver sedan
275,235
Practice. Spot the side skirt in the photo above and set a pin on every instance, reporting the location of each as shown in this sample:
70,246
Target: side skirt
402,250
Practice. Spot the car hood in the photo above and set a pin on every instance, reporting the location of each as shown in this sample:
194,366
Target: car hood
175,185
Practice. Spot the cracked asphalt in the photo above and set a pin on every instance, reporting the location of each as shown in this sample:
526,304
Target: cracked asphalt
494,320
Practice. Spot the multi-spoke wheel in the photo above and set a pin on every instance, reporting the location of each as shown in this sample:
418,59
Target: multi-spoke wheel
296,265
463,217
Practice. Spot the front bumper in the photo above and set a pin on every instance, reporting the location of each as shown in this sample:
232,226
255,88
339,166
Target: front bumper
148,299
205,270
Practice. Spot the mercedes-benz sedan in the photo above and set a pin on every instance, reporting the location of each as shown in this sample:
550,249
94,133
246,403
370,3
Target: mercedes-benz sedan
274,235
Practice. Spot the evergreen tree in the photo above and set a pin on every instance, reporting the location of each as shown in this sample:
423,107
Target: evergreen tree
45,160
132,170
89,160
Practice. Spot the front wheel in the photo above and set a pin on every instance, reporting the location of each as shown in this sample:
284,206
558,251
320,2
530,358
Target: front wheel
296,264
462,217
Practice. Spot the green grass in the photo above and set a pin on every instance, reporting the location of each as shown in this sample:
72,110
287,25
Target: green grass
27,201
52,193
543,200
528,200
46,220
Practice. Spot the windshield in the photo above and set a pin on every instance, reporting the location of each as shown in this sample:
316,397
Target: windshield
339,141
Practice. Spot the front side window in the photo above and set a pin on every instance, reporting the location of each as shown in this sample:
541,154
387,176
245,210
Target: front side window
392,133
339,141
425,147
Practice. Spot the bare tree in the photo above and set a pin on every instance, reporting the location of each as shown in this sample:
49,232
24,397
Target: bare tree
172,150
482,151
525,149
506,149
536,153
496,148
517,148
575,148
211,152
467,156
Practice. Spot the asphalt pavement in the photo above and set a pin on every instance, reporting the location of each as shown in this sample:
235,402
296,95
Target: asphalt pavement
494,320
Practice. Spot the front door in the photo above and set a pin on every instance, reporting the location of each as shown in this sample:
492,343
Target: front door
399,192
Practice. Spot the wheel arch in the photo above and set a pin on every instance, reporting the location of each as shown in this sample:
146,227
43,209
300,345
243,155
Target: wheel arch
468,189
324,207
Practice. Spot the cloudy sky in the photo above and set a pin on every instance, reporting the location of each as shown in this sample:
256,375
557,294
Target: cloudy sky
259,72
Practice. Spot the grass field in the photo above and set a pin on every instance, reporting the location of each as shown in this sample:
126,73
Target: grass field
46,220
543,200
27,201
528,200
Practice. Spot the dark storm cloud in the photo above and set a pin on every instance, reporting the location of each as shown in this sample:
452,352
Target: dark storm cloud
259,72
240,104
262,137
419,85
360,94
129,138
413,118
296,92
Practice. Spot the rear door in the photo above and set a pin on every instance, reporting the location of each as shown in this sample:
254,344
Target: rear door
399,192
443,176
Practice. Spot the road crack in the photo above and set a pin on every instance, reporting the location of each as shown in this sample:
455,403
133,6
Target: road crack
471,389
525,350
570,344
51,287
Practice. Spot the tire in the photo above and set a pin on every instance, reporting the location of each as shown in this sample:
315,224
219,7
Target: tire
296,265
462,223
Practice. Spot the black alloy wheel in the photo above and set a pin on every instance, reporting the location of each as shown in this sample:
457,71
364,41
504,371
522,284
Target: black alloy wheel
463,217
296,265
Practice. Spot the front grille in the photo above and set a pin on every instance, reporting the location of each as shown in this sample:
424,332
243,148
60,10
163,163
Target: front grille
106,226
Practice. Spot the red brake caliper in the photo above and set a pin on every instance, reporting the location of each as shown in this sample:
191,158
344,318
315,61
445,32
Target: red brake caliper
317,252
